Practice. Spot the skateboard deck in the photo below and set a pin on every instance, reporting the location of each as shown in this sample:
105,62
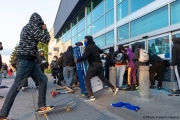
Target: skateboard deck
58,107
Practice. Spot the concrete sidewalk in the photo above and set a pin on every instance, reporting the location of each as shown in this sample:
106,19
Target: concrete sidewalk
160,106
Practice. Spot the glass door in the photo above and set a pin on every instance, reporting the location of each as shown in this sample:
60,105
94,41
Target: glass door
142,42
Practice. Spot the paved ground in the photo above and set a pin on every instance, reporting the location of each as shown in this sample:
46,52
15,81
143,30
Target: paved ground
160,106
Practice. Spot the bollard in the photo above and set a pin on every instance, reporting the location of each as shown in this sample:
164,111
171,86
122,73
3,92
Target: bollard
144,82
112,75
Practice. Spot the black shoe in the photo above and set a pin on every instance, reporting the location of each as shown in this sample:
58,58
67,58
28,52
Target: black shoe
159,88
152,87
90,98
54,82
131,88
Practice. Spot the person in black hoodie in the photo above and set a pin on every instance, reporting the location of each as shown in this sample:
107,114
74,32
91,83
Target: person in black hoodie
32,33
54,66
41,60
92,54
175,61
108,62
120,59
68,69
60,70
157,67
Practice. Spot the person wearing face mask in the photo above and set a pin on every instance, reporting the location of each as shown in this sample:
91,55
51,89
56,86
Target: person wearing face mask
104,56
91,54
54,66
1,48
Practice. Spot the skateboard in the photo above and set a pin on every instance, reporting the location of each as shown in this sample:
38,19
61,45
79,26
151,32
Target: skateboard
53,93
58,107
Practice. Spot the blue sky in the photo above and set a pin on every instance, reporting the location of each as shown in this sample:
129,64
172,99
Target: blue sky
14,14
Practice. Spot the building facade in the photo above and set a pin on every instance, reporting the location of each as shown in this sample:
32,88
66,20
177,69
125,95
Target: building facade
153,23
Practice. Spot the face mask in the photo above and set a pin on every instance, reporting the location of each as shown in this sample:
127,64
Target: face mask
85,43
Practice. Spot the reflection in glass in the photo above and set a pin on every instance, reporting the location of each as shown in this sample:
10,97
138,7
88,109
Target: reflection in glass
74,40
142,46
98,25
176,36
159,46
88,7
152,21
81,15
81,36
175,8
64,38
110,17
74,30
123,32
122,9
110,37
68,37
89,19
98,12
109,4
137,4
118,1
88,30
74,22
100,41
81,25
96,3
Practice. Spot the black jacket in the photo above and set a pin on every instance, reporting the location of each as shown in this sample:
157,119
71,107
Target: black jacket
0,62
154,58
124,58
91,52
60,61
175,51
31,34
67,58
136,56
109,56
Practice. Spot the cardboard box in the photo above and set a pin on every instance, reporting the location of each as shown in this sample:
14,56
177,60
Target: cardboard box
96,84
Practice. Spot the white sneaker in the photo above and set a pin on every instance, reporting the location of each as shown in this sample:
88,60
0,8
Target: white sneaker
90,98
115,91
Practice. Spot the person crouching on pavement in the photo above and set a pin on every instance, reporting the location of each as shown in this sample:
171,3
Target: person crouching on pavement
92,54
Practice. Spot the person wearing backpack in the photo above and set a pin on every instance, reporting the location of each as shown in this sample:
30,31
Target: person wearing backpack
140,58
54,66
120,59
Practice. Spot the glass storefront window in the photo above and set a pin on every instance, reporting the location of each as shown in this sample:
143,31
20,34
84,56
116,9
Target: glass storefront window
175,8
89,30
118,1
68,27
81,36
100,41
88,7
98,12
176,36
123,32
81,15
96,3
137,4
74,40
142,45
74,30
150,22
74,22
109,5
110,17
68,35
122,9
81,25
64,39
89,19
159,46
110,37
98,25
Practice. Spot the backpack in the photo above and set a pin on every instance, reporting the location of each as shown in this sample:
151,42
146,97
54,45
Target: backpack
143,55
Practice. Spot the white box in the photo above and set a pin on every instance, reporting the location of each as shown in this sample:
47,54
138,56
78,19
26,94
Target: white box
96,84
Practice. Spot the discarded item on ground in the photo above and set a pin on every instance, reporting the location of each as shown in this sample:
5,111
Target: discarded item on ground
126,105
53,93
1,87
96,84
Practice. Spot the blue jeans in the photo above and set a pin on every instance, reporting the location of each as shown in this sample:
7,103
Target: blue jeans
68,73
5,73
25,69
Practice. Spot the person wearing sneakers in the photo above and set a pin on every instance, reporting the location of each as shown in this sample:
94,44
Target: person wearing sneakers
32,33
68,69
54,66
92,54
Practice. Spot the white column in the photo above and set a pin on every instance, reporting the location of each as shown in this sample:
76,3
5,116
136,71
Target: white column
115,28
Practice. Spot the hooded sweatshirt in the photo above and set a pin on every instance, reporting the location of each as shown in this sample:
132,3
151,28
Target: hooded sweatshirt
109,56
40,57
116,54
31,34
175,52
130,55
67,58
136,56
91,52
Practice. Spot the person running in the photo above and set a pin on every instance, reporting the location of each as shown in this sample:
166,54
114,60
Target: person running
32,33
54,66
95,66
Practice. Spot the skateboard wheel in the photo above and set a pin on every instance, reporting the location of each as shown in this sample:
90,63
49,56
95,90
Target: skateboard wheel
45,115
68,109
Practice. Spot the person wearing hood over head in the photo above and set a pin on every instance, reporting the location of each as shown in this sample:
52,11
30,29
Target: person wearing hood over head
175,60
54,67
69,66
120,59
60,70
108,62
41,60
92,54
132,67
33,32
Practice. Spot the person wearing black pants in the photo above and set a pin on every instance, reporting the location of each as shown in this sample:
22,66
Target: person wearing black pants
54,66
157,67
108,62
60,70
95,66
